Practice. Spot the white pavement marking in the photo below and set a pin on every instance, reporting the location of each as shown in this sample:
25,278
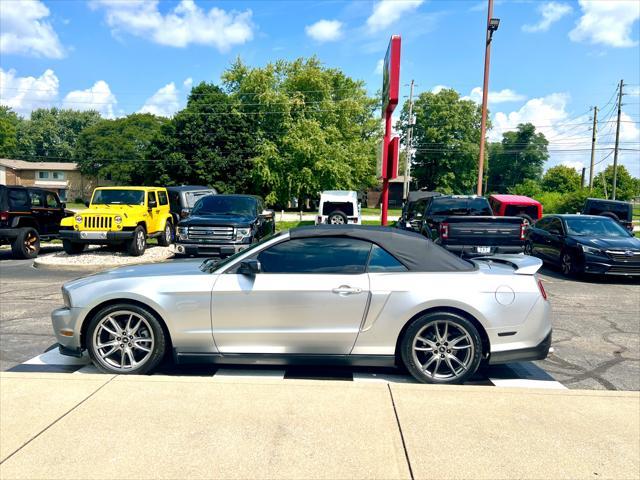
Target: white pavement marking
526,375
382,378
527,383
54,357
232,372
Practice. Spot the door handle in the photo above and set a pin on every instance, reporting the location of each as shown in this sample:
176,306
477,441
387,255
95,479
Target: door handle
346,290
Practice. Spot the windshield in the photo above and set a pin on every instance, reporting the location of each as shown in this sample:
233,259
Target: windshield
118,197
190,198
595,227
221,205
210,263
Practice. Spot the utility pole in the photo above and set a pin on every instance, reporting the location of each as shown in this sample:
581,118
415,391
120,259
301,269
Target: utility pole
407,168
615,152
593,145
492,26
582,178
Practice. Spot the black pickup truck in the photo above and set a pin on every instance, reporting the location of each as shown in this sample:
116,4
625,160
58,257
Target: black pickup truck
28,215
221,225
465,225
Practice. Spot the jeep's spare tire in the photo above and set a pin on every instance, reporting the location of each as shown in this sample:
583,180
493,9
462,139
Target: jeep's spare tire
337,218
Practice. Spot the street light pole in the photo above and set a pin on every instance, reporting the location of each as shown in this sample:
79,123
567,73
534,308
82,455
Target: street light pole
492,26
407,168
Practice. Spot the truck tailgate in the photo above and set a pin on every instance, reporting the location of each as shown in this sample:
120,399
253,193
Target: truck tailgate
481,231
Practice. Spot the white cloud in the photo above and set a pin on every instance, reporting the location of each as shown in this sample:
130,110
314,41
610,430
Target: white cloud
188,83
438,88
325,30
24,94
502,96
607,22
98,97
184,25
575,164
164,102
551,12
379,67
387,12
24,30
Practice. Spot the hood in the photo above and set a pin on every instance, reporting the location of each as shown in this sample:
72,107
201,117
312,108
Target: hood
187,267
111,210
217,220
612,243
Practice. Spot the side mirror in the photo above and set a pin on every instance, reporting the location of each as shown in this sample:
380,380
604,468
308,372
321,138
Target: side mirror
86,203
184,213
152,204
249,267
267,213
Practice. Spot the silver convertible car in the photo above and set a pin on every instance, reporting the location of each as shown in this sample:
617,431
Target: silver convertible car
328,294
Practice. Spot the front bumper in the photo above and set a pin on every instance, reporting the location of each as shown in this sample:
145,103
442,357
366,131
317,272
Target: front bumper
604,266
209,249
96,237
66,327
537,352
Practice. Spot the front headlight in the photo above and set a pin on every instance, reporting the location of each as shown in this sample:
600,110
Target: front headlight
78,218
66,299
117,219
183,233
242,233
591,250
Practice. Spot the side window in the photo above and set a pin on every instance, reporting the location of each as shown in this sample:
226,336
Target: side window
151,197
542,224
37,199
555,226
382,261
417,211
18,199
316,255
480,206
162,197
51,201
174,200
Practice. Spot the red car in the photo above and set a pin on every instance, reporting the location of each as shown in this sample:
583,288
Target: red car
516,206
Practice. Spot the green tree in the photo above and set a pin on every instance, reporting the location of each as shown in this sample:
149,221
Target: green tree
561,179
528,188
8,131
117,149
446,137
210,142
627,186
521,156
51,134
316,128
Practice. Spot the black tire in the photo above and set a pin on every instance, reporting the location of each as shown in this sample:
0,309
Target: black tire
337,218
526,217
611,215
528,248
137,245
423,323
26,244
72,248
166,238
157,352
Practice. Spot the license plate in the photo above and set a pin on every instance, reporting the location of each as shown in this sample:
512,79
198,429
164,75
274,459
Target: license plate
483,249
93,235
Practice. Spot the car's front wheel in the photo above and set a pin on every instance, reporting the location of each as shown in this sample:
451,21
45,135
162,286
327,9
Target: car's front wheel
125,339
138,243
568,265
441,347
72,248
166,238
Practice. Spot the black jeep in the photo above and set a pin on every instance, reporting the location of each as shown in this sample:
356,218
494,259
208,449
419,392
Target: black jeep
28,215
621,212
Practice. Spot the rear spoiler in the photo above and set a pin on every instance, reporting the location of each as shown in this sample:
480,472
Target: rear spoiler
523,264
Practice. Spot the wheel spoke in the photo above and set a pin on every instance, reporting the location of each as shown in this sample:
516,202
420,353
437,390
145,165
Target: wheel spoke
114,349
115,324
457,340
435,369
431,344
140,347
448,362
446,332
453,357
426,365
104,327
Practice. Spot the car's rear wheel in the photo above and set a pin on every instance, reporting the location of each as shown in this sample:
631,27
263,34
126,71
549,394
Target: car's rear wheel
138,243
166,238
72,248
125,339
26,244
337,218
528,248
441,347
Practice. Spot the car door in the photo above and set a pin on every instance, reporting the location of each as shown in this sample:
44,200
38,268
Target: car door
39,210
154,219
55,212
556,240
538,237
310,297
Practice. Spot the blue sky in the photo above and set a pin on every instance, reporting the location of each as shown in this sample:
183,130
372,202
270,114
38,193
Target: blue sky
551,61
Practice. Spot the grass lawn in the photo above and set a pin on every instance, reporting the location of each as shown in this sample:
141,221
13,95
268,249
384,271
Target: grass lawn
76,206
376,211
288,225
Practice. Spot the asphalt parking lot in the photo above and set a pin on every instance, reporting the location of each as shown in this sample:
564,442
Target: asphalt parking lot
596,323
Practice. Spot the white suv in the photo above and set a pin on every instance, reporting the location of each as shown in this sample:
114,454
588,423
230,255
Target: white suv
339,207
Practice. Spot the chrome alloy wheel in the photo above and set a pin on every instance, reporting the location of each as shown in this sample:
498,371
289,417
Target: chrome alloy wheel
566,264
140,240
336,220
123,340
31,242
443,350
167,232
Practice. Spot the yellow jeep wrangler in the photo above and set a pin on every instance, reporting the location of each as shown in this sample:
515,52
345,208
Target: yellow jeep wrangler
124,216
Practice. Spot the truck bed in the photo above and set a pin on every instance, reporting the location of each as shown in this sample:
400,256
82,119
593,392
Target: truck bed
472,236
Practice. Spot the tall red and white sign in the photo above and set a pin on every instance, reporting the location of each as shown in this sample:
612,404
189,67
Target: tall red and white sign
388,157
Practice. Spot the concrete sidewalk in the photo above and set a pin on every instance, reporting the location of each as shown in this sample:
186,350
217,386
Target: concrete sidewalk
102,426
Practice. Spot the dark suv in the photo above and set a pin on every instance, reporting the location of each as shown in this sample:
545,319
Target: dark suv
183,198
621,212
221,225
28,215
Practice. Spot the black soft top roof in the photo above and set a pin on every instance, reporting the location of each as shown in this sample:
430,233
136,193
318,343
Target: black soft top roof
188,188
416,252
418,194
